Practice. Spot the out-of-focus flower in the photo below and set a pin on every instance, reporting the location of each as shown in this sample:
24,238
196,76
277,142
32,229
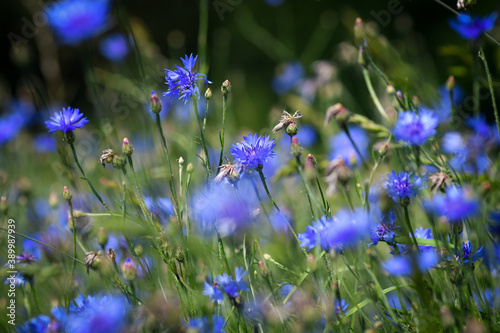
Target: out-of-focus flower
469,257
403,186
226,284
341,146
26,258
67,120
44,143
161,207
344,230
74,21
182,82
422,233
114,47
384,231
201,325
38,324
288,77
340,306
471,27
405,265
442,108
415,129
253,151
455,205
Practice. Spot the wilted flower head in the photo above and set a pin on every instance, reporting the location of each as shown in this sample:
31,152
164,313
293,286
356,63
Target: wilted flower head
253,151
403,186
74,21
182,82
229,172
455,205
415,129
337,172
286,120
67,120
471,27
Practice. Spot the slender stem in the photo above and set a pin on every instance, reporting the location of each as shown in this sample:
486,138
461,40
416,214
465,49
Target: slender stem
70,204
408,224
87,180
224,108
490,84
263,179
373,95
124,200
348,198
203,142
308,189
35,298
202,35
325,205
452,108
142,203
476,87
188,221
355,146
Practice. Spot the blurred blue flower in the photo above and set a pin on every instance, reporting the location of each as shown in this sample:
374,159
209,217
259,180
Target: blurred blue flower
456,204
471,27
442,109
44,143
469,257
344,230
307,136
97,314
16,115
422,233
278,223
161,208
415,129
19,280
10,125
114,47
340,145
253,150
38,324
289,76
74,21
340,306
182,82
403,186
225,284
384,231
405,264
67,120
201,325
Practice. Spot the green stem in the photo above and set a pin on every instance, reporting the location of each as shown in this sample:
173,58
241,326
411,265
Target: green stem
224,108
476,87
490,84
348,133
87,180
373,95
408,224
263,180
35,298
308,189
203,142
348,198
73,265
142,203
452,107
202,36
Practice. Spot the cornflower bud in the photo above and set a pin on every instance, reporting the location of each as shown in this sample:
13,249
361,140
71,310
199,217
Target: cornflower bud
67,194
337,112
263,270
225,88
190,168
292,129
119,162
295,147
361,57
128,269
390,90
102,237
139,250
359,31
53,200
154,103
450,83
181,161
3,204
384,149
208,94
309,168
127,148
69,137
416,101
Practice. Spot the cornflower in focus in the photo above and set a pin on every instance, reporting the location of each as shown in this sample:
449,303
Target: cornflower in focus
67,120
253,151
415,129
75,21
402,187
182,82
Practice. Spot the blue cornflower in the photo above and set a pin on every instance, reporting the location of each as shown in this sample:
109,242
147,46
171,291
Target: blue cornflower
291,74
115,47
225,284
340,306
415,129
456,204
44,143
74,21
161,208
469,257
182,81
403,186
341,146
26,258
442,108
253,151
423,234
18,281
384,231
38,324
471,27
67,120
201,325
405,264
346,229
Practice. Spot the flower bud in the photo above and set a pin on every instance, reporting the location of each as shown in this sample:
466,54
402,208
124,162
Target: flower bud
128,269
139,250
53,200
309,168
399,94
263,270
337,112
450,83
416,101
127,148
359,31
102,237
226,88
181,161
390,90
67,194
119,162
383,149
361,57
208,94
190,168
154,103
295,147
292,129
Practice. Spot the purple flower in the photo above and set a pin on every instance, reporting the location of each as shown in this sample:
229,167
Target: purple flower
415,129
340,306
469,257
67,120
471,27
342,146
225,284
384,231
202,325
456,204
38,324
253,151
403,186
115,47
74,21
213,292
26,258
405,265
182,82
291,74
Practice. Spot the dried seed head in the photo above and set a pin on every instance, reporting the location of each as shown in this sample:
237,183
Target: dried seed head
286,120
92,259
439,181
111,254
106,157
229,172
